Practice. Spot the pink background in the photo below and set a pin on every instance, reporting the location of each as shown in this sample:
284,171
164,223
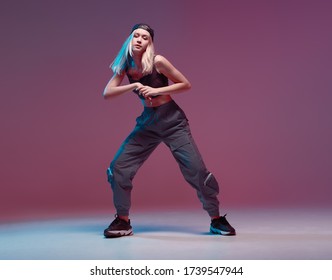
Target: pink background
259,107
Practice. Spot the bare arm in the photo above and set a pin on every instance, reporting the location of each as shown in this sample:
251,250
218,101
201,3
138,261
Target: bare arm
114,88
180,82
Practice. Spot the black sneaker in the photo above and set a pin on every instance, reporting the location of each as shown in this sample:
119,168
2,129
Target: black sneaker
221,226
118,228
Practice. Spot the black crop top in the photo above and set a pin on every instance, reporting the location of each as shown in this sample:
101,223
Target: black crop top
154,80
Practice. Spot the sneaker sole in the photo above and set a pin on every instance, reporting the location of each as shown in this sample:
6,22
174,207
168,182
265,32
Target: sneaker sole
120,233
220,232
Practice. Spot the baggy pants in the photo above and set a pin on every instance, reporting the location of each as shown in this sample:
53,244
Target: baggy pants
168,124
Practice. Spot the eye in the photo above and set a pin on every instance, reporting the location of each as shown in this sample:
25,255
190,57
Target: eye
145,37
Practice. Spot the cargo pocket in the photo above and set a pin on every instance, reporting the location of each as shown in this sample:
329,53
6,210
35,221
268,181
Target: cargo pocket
180,142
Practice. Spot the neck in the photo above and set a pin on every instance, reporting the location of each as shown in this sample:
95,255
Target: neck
138,61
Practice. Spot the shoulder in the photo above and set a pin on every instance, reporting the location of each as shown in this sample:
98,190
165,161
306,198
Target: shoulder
160,60
161,63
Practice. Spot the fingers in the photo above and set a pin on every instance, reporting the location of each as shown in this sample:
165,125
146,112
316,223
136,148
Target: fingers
143,90
139,90
142,93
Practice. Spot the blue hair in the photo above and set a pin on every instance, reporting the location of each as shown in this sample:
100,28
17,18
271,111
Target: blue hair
123,59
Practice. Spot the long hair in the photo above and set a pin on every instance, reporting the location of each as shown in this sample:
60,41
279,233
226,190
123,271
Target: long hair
124,59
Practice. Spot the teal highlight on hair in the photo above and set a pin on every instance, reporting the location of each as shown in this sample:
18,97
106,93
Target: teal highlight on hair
123,58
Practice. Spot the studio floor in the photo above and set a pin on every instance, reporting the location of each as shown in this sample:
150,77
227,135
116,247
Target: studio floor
262,234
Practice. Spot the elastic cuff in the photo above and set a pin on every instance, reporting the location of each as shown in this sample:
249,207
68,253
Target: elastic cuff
122,213
214,214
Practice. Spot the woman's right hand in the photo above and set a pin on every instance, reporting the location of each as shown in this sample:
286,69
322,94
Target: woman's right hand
137,86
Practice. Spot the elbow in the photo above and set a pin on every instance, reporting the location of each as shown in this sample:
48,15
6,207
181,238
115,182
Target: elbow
105,95
188,85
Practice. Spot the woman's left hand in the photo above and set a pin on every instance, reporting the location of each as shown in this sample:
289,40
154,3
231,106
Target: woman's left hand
147,91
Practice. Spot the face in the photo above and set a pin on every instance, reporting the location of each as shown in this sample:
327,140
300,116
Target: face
140,40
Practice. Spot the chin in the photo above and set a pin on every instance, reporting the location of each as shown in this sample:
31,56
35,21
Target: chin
137,51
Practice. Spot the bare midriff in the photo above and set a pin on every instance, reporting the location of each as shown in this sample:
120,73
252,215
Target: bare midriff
157,101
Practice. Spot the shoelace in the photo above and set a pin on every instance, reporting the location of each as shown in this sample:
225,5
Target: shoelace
223,219
116,221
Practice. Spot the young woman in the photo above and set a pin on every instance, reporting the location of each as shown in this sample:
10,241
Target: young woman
162,120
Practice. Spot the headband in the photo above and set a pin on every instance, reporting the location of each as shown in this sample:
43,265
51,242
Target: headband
145,27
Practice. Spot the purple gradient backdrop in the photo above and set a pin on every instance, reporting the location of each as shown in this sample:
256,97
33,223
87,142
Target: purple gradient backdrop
259,108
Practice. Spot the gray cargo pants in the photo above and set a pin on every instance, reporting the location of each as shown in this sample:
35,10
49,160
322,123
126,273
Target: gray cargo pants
168,124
